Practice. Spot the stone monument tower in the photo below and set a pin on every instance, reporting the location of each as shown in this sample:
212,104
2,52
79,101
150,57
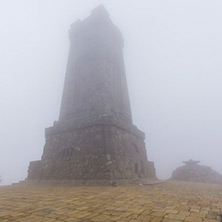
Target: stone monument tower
94,141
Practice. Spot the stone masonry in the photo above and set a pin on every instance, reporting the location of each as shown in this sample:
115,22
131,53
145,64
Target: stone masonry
94,141
174,201
192,171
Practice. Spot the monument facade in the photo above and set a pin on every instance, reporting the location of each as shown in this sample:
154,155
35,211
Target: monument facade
94,141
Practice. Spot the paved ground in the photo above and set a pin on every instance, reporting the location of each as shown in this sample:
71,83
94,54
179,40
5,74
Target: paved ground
168,202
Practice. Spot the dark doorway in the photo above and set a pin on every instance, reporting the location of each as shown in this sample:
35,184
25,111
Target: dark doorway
136,168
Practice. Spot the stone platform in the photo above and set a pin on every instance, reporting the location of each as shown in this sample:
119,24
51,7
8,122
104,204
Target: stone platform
194,172
167,202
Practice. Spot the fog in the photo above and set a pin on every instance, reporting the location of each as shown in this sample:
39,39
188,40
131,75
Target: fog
173,54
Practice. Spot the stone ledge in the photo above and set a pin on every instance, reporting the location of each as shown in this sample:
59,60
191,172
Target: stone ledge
95,182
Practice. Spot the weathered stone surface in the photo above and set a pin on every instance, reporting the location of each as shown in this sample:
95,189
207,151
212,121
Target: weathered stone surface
197,173
94,138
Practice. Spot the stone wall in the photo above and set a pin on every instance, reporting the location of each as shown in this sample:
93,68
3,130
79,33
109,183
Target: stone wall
95,83
96,152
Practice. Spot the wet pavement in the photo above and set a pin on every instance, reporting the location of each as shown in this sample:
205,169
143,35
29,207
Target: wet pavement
167,202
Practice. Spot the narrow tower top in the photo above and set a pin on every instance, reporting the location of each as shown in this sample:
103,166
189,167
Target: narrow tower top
100,10
95,87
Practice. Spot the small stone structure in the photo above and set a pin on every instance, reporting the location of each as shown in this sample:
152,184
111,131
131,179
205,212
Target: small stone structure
192,171
94,141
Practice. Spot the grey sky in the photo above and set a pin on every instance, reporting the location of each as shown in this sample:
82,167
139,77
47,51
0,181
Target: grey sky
173,54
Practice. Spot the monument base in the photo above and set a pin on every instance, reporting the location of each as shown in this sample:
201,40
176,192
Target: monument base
103,153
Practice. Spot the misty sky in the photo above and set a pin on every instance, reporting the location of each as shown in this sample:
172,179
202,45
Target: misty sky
173,58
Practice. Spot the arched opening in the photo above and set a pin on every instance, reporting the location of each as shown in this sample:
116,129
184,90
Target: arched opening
136,168
142,168
64,153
